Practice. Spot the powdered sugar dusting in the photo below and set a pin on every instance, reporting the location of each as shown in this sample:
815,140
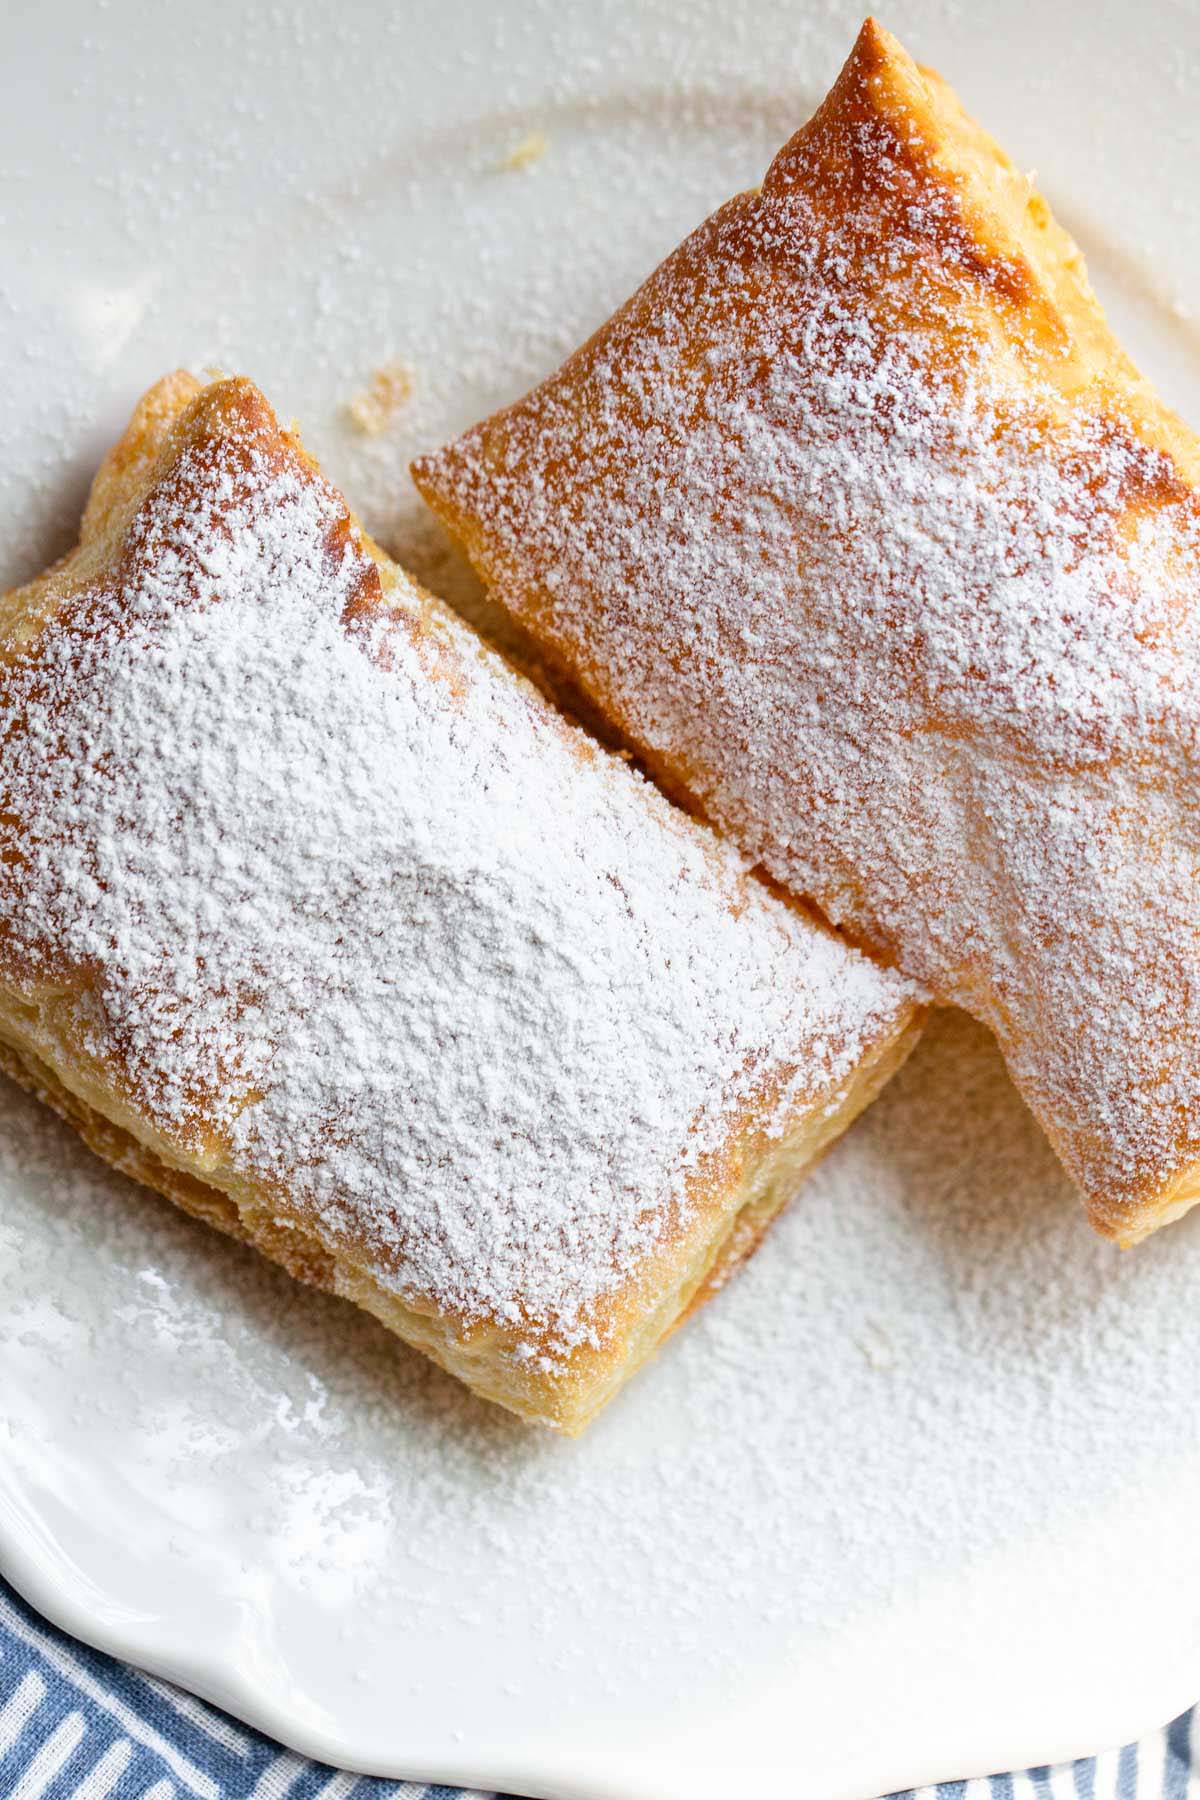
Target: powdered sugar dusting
356,904
923,637
1040,1382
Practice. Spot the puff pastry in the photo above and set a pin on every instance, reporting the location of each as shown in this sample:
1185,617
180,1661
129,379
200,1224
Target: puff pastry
317,917
858,524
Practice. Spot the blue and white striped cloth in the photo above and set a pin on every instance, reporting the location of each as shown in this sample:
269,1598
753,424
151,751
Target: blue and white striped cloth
75,1725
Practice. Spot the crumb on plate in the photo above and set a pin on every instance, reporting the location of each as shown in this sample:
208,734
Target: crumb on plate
373,410
531,149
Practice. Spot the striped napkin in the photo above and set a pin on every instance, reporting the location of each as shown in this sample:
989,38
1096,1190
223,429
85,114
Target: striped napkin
75,1725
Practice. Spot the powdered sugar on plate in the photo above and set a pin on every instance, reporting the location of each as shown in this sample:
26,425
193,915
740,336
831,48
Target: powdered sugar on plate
271,1456
772,1565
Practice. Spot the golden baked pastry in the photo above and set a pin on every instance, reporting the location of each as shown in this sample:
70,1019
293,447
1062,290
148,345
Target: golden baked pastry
317,917
858,524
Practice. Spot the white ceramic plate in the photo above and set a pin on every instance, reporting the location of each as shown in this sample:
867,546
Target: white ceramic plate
917,1495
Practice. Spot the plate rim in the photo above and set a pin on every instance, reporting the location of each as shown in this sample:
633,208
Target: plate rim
45,1589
